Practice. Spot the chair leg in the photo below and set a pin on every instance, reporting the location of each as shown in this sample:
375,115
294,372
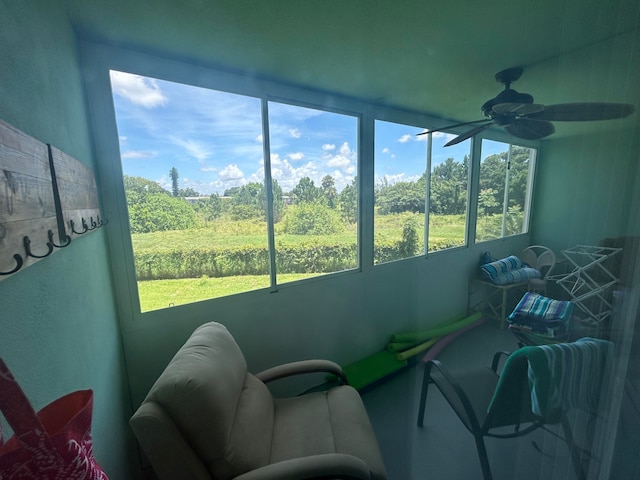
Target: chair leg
484,460
426,379
576,456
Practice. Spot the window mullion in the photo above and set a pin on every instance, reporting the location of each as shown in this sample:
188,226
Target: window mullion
427,198
505,204
473,189
268,185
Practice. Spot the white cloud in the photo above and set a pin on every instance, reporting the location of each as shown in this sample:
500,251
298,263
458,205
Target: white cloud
345,160
345,149
194,148
286,174
295,133
259,139
137,154
137,89
405,138
164,182
328,146
231,172
275,159
339,161
447,136
385,150
296,156
209,169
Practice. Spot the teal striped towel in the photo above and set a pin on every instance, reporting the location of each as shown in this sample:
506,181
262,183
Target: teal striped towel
564,375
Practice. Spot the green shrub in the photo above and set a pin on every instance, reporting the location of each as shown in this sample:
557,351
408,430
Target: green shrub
159,212
312,219
409,243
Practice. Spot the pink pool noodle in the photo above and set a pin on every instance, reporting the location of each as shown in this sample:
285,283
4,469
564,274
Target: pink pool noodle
447,339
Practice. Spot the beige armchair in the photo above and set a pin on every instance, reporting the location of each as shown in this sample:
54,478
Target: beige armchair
206,417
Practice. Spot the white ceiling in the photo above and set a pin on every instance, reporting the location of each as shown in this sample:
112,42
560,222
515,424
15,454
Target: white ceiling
434,56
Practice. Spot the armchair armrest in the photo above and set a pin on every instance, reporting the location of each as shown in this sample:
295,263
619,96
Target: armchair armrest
329,465
301,367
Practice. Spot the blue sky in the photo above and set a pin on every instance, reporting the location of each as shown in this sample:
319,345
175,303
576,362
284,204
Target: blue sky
214,139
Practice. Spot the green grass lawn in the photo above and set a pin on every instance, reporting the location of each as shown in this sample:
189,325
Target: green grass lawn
156,294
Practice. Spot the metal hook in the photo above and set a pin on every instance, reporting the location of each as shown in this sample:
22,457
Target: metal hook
102,222
27,248
84,227
94,225
18,265
67,240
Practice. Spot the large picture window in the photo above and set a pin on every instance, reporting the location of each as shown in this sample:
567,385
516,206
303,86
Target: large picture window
196,184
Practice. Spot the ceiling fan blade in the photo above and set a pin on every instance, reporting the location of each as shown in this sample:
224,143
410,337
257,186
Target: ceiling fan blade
469,134
517,108
448,127
584,112
530,129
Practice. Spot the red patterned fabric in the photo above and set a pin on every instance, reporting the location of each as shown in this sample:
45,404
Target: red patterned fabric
53,444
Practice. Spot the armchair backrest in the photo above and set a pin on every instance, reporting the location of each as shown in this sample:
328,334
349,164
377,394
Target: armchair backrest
539,257
224,413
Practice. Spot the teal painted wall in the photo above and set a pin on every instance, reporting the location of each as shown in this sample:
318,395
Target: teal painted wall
585,189
58,323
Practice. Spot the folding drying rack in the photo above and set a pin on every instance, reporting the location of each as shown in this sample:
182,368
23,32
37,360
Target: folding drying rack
589,281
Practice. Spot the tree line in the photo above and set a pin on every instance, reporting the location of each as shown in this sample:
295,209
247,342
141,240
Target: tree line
321,209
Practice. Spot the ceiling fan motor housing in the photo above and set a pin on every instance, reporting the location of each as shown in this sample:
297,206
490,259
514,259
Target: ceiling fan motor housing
506,96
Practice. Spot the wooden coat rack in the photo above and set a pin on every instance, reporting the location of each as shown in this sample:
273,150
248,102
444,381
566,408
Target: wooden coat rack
47,199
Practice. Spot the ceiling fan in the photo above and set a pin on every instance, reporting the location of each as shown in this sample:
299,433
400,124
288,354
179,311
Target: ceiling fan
522,118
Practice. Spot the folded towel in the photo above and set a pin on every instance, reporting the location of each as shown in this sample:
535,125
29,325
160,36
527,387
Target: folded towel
543,308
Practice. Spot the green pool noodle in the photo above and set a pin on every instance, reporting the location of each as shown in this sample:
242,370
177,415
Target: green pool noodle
401,346
409,339
372,368
417,349
438,331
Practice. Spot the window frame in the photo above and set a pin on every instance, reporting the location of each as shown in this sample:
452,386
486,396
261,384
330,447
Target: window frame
97,59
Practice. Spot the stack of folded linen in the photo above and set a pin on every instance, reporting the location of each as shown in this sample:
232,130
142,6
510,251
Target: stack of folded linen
541,315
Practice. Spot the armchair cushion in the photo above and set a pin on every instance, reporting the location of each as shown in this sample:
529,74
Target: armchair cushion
325,422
